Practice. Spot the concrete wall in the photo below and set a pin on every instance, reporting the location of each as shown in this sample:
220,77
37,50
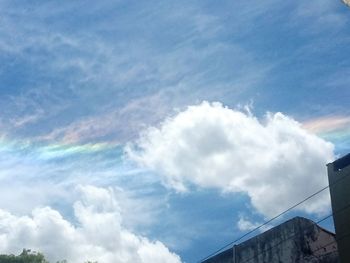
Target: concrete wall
298,240
339,182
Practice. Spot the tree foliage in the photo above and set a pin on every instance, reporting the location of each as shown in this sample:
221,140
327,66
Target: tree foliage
28,256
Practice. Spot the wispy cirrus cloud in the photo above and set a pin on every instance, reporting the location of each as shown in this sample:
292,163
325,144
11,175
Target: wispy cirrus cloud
115,124
324,16
89,72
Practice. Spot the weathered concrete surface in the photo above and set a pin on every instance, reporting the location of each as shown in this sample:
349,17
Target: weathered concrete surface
298,240
339,182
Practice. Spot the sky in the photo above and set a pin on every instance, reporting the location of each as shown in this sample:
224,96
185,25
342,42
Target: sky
158,131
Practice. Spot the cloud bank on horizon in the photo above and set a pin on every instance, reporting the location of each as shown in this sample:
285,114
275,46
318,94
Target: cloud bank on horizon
99,234
211,146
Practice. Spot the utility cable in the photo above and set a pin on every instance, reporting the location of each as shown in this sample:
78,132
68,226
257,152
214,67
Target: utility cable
293,235
264,224
271,219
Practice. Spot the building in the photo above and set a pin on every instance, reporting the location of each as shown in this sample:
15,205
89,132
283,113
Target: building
339,186
298,240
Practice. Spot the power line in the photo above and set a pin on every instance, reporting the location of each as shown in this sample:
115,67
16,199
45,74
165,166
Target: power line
293,235
264,224
270,220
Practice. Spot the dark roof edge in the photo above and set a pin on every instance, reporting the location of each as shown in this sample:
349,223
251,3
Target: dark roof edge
341,162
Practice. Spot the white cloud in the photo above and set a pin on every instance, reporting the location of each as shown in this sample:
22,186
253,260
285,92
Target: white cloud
98,234
244,224
275,161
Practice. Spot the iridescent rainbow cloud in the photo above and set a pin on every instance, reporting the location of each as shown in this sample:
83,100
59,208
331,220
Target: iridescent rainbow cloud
335,128
51,151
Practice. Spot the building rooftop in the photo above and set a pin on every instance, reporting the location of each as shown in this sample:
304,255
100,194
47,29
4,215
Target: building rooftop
341,162
296,240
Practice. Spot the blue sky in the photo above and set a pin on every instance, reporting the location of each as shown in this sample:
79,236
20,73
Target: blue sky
151,106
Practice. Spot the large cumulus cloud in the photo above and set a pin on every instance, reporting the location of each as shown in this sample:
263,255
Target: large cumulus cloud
274,160
98,233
